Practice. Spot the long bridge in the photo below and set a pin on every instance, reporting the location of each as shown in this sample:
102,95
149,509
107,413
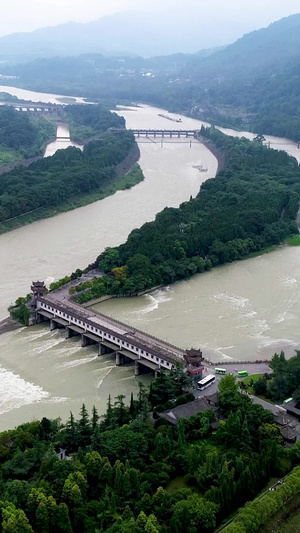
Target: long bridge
35,107
165,133
126,343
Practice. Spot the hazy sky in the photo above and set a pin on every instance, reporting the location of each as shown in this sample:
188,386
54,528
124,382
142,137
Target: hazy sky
239,16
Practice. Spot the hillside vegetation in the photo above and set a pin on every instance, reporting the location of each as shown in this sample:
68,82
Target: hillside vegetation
252,83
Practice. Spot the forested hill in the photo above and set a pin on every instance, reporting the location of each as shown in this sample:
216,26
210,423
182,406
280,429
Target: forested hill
250,205
251,84
254,83
254,53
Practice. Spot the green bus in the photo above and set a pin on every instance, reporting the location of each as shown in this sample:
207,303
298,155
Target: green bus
242,373
288,400
220,371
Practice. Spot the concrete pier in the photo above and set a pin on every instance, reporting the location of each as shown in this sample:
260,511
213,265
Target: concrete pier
126,344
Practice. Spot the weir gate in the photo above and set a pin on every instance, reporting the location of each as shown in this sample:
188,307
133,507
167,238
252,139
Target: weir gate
166,133
124,342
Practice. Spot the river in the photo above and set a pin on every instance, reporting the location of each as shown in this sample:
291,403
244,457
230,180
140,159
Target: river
32,96
244,310
60,143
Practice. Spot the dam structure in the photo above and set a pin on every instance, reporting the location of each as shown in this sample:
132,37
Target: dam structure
165,133
126,343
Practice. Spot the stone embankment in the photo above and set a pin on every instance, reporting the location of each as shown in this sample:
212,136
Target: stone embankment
8,324
22,162
219,155
128,163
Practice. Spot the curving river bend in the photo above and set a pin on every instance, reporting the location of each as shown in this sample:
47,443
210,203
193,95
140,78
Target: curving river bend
242,311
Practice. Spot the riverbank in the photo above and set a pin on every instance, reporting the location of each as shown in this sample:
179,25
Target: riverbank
8,324
219,154
128,174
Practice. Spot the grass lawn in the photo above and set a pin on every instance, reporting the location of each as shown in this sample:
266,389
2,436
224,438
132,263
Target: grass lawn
251,390
293,240
180,482
8,155
291,526
249,379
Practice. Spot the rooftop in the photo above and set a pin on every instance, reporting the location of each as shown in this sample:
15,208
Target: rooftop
200,405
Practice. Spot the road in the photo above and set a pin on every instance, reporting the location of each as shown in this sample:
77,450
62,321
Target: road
233,368
62,294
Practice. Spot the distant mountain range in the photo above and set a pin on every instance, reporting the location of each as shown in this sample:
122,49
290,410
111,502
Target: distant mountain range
252,83
254,52
128,33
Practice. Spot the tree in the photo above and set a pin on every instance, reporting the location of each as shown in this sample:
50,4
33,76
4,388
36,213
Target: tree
71,434
162,389
42,518
260,139
109,421
95,418
260,387
71,493
84,428
63,520
123,442
118,484
144,401
141,520
108,259
14,520
279,363
121,412
132,406
270,431
162,504
228,384
17,492
193,514
45,429
151,525
180,378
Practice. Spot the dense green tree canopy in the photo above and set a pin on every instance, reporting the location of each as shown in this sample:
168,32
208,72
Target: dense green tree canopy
53,180
127,473
250,205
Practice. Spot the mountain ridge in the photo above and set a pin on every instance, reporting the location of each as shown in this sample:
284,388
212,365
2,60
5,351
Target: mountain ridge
252,83
129,32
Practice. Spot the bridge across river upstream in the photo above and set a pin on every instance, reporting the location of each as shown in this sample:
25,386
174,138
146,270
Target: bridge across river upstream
165,133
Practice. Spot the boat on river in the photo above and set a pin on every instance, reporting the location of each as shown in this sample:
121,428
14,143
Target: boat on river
170,118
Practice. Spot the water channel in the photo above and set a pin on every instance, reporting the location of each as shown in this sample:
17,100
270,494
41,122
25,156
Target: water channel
242,311
62,140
